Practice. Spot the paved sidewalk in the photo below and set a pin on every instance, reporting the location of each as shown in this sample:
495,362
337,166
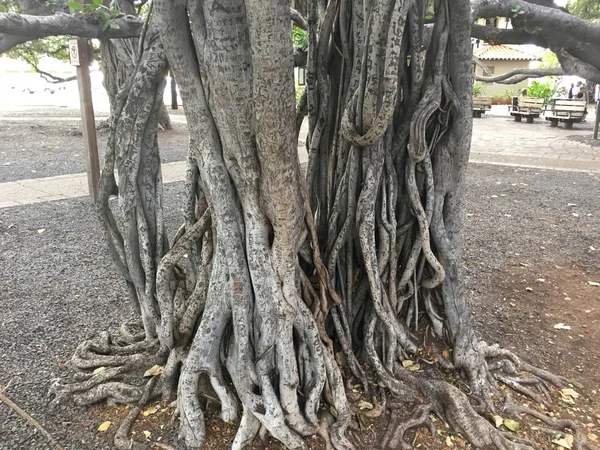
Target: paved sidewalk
61,187
496,140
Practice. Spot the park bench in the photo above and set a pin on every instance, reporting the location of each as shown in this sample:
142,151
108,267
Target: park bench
528,107
481,105
568,111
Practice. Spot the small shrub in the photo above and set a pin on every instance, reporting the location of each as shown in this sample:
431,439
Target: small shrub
478,90
545,90
505,97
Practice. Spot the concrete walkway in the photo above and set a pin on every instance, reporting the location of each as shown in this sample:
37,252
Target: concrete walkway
61,187
496,140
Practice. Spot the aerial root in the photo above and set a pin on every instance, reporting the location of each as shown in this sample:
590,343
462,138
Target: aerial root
453,406
580,441
509,363
394,436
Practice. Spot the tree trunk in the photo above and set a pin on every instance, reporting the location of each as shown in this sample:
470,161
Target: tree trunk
278,289
118,61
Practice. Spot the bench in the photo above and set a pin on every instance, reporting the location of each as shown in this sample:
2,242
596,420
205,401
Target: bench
481,105
528,107
568,111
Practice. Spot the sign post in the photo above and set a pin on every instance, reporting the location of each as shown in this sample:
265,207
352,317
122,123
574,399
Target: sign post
80,53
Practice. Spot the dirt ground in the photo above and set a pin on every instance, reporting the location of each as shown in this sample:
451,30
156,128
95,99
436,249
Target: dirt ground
531,249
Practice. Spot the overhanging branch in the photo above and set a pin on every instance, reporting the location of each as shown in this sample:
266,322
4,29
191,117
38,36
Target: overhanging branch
537,19
29,27
493,35
518,75
8,41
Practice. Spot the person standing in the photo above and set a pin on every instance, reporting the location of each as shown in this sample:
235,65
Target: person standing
578,92
571,90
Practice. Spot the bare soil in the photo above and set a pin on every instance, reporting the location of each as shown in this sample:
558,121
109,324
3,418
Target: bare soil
531,247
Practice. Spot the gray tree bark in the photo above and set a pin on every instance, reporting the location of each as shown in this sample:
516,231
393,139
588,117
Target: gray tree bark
118,60
279,291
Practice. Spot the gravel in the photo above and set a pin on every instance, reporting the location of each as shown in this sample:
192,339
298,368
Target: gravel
58,285
38,148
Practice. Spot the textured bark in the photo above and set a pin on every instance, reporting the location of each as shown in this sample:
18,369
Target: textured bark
118,60
574,40
35,27
518,75
280,291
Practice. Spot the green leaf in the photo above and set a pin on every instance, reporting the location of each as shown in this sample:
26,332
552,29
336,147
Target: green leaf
97,2
75,5
512,425
429,16
105,15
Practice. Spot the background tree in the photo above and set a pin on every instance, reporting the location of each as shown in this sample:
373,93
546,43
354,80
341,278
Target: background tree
279,290
586,9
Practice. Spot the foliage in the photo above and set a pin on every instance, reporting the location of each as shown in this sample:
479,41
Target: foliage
7,6
30,52
507,93
300,37
478,89
98,10
545,90
549,60
299,92
585,9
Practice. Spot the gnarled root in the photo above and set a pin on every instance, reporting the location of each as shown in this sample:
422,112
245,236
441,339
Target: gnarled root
580,441
101,366
394,437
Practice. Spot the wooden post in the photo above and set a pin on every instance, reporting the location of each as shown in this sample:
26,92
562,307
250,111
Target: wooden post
80,52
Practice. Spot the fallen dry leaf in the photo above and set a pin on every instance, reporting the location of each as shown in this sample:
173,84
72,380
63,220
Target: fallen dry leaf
150,411
41,230
568,392
104,426
498,421
407,363
414,368
365,405
154,370
562,326
147,434
593,283
512,425
592,437
449,442
529,289
566,442
99,370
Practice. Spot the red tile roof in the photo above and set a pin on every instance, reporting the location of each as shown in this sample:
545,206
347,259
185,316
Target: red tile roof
503,52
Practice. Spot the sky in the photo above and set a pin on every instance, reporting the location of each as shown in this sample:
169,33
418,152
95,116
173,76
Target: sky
561,2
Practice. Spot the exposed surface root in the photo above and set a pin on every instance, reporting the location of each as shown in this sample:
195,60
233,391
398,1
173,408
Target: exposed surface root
580,441
394,437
